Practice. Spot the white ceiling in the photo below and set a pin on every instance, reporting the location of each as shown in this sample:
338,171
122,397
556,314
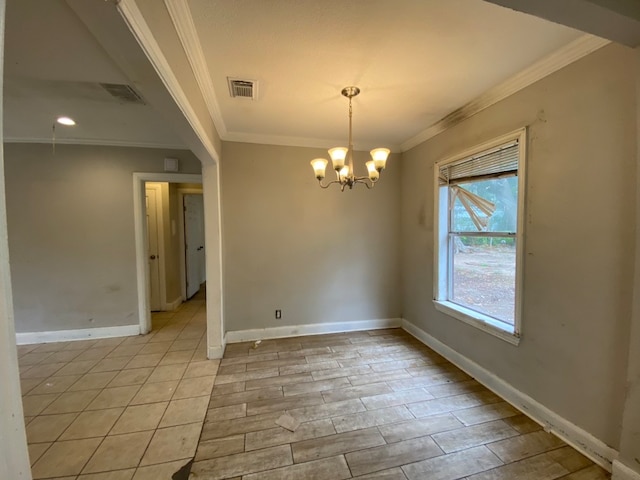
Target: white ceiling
53,67
415,60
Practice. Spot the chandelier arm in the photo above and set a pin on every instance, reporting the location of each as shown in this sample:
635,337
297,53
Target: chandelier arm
365,181
328,184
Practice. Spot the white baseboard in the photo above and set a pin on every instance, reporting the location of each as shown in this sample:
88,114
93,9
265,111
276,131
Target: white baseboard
171,306
215,352
622,472
310,329
28,338
575,436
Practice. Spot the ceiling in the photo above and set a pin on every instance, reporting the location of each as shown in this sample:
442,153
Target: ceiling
415,61
53,67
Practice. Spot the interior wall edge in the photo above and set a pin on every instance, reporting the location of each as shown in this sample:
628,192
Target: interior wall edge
578,438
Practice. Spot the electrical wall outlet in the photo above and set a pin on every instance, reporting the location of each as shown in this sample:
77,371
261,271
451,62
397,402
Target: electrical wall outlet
278,313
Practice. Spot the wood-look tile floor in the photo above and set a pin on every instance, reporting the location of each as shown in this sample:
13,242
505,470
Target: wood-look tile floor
377,405
372,405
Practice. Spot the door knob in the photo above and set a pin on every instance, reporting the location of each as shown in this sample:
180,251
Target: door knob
152,257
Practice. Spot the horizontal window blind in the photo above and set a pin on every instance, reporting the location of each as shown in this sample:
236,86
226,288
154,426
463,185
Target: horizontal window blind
501,160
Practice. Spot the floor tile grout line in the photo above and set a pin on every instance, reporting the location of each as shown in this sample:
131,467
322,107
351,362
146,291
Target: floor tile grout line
154,430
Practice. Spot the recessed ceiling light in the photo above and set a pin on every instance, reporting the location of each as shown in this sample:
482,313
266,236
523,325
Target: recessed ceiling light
66,121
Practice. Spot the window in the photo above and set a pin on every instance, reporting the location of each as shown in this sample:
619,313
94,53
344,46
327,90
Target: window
479,212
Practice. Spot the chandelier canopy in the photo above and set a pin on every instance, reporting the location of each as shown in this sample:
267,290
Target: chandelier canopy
342,159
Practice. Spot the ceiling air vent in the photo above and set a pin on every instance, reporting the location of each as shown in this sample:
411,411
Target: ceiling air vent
123,93
242,88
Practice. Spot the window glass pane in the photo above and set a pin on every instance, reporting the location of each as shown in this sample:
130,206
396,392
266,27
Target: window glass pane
502,192
484,275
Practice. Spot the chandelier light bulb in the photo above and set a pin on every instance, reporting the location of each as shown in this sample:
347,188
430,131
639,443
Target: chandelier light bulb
319,166
338,156
380,156
374,174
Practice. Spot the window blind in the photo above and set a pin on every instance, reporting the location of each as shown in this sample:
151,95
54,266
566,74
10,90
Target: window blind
501,160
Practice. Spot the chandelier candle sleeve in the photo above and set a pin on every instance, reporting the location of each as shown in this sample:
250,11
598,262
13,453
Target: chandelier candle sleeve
342,158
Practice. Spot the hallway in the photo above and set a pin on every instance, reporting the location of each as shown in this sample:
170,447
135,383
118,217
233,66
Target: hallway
132,405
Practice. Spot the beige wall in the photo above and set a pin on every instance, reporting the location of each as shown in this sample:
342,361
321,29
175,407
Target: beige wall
630,442
71,232
578,272
318,255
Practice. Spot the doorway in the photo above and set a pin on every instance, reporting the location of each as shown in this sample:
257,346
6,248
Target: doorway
156,235
153,206
192,268
175,241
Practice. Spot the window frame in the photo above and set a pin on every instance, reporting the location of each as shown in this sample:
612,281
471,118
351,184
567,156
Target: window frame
442,242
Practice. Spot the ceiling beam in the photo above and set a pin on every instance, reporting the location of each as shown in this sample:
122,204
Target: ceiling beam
110,30
616,20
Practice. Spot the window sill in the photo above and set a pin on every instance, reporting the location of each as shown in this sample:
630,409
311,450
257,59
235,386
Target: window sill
478,320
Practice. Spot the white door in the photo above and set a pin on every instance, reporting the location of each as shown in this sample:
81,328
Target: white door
194,242
152,249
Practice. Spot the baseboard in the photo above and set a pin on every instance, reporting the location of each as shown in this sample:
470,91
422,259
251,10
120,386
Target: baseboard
213,353
578,438
622,472
28,338
310,329
171,306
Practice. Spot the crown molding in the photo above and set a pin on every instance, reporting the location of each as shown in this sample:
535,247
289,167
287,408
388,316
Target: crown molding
562,57
141,31
301,141
98,142
185,27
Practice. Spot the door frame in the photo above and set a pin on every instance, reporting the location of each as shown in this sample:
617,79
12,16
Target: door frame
183,264
139,210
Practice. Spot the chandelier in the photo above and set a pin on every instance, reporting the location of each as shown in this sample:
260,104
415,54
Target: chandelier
340,155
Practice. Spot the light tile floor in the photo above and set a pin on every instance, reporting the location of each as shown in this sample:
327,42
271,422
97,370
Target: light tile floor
119,408
372,405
